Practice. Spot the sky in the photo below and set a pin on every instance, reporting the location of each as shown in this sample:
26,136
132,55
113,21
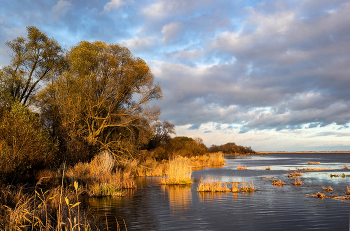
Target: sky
273,75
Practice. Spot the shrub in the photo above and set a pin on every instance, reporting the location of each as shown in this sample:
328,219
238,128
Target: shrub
24,145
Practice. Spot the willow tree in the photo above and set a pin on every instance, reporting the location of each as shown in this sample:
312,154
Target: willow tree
35,59
101,100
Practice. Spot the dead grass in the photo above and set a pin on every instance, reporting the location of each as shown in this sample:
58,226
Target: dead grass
278,183
267,177
178,172
329,189
268,168
312,169
297,181
58,209
241,167
211,186
313,162
208,160
345,166
295,174
319,195
247,187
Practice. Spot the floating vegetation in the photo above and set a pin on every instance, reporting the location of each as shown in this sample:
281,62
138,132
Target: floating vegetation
295,174
213,186
312,169
345,166
334,175
246,187
313,162
319,195
278,183
329,189
337,175
268,168
297,181
241,167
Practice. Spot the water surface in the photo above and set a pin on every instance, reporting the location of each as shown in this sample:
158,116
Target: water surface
157,207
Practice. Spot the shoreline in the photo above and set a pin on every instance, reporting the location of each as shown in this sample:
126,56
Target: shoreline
304,152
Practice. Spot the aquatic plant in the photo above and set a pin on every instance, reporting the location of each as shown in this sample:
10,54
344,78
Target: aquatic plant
278,183
246,187
178,172
295,174
345,166
211,186
329,189
313,162
241,167
268,168
297,181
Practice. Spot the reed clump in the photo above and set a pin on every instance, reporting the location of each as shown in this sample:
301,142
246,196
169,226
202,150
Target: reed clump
57,209
312,169
247,187
345,166
295,174
297,181
319,195
329,189
178,171
278,183
313,162
100,177
241,167
211,186
268,168
208,160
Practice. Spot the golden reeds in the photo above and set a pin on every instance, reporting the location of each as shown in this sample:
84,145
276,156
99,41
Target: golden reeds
178,172
241,167
329,189
295,174
345,166
297,181
211,186
313,162
268,168
278,183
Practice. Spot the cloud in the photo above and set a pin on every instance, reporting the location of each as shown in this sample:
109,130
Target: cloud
194,127
113,5
171,32
60,9
137,44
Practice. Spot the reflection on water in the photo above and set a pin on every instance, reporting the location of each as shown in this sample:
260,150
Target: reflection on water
157,207
180,196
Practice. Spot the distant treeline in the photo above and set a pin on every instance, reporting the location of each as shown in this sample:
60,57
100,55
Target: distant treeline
231,148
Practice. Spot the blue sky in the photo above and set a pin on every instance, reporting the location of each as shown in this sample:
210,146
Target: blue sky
273,75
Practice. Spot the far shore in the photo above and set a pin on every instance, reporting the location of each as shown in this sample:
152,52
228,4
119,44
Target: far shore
305,152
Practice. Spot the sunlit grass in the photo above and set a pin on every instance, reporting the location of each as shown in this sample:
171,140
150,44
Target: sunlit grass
278,183
178,172
241,167
297,181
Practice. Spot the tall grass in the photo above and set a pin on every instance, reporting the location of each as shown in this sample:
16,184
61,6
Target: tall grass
57,209
211,186
178,171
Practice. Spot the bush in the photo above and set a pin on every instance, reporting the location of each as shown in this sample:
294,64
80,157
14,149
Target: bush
24,146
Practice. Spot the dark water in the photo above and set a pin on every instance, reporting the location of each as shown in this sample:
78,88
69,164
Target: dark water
155,207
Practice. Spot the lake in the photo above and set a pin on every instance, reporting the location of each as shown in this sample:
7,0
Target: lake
158,207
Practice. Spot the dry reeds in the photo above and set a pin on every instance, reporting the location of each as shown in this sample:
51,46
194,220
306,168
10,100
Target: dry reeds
211,186
268,168
56,209
345,166
208,160
178,172
348,190
278,183
319,195
241,167
329,189
246,187
313,162
295,174
297,181
312,169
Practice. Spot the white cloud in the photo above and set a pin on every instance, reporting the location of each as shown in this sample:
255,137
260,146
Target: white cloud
171,31
113,5
60,9
139,44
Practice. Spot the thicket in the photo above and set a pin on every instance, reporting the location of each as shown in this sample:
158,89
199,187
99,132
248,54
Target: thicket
231,148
